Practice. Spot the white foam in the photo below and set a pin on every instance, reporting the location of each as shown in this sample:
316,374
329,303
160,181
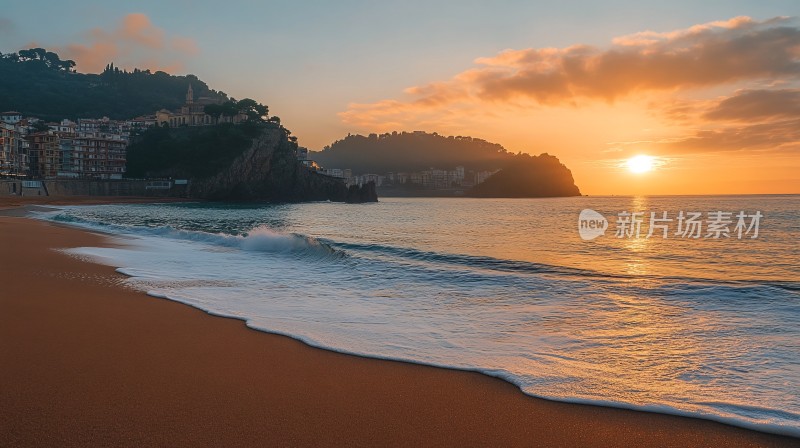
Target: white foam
553,336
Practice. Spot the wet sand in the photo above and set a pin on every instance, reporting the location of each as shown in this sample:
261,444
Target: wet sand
88,362
15,201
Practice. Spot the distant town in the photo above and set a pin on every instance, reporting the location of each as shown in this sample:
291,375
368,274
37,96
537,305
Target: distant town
433,179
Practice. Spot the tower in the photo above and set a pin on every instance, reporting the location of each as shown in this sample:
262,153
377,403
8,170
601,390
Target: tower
190,95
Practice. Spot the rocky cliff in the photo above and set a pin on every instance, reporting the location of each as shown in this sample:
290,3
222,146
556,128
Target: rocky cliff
269,171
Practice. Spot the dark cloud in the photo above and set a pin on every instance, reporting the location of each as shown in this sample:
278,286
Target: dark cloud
777,136
757,105
707,55
708,58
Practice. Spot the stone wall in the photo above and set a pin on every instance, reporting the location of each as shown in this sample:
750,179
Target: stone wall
64,187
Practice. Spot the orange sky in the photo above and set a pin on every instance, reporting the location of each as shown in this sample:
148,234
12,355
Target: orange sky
718,104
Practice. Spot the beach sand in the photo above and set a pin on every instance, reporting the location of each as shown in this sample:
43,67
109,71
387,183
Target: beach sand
86,361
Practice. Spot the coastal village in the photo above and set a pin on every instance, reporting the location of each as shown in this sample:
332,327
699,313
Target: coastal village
432,179
89,148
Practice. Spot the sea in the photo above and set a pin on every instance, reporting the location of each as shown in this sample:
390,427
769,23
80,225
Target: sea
704,323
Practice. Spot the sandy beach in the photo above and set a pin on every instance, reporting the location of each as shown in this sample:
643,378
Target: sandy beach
88,362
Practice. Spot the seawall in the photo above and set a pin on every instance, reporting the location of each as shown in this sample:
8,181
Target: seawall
73,187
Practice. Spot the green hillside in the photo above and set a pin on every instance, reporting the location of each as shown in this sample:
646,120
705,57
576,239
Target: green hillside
38,83
410,151
527,176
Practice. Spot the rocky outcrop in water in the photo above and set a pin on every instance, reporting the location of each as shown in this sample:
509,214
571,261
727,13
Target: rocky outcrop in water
363,193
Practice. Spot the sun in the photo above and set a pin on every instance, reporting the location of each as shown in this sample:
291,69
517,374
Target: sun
640,164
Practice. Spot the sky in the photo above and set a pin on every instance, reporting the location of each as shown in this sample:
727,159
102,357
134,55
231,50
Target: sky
710,90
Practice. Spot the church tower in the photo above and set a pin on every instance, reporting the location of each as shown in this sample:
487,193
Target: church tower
190,95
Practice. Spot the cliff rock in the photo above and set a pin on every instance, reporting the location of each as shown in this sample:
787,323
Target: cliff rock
269,171
528,176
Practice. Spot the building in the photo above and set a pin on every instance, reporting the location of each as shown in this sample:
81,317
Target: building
401,178
88,148
12,117
97,125
436,179
310,164
66,144
95,156
459,173
431,179
44,154
8,146
65,127
481,176
82,155
367,178
193,113
143,122
13,150
334,172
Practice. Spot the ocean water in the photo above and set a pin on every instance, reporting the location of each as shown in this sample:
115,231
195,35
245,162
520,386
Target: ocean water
703,327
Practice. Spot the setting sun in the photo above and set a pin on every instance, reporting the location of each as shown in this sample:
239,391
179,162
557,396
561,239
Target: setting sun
640,164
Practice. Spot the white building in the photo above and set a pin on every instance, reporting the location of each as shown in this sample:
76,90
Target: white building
367,178
11,116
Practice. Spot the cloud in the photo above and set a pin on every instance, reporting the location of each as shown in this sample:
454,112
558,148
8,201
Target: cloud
756,105
777,136
744,105
750,119
651,37
134,43
702,56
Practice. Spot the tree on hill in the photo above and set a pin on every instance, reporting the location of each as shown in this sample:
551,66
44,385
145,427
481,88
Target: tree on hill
189,152
46,58
411,151
254,110
214,110
38,83
526,176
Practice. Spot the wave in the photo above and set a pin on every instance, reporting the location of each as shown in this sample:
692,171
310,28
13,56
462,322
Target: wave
473,261
264,239
258,239
383,259
527,267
